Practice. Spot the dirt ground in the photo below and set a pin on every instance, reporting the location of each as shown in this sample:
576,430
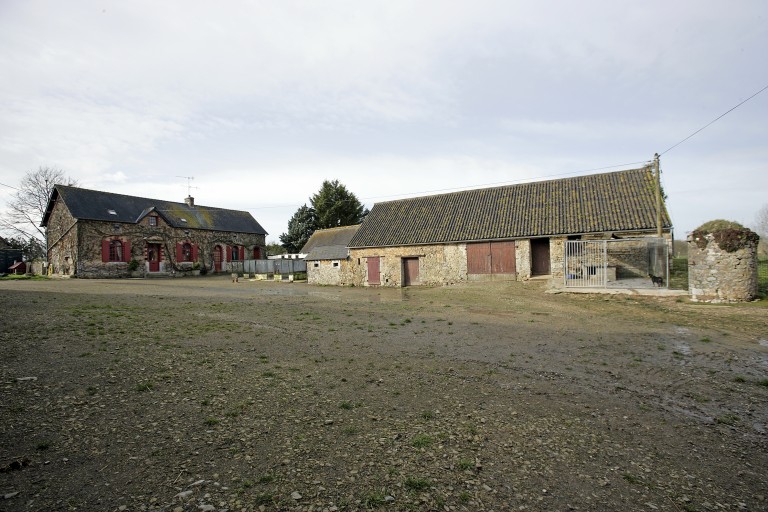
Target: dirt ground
203,394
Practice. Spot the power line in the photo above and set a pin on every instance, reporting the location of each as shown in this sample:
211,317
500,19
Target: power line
714,120
9,186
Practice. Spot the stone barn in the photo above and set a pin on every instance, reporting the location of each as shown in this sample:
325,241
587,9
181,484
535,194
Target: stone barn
101,234
512,232
327,256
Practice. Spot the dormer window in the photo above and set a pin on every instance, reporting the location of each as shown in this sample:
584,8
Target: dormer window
112,212
152,220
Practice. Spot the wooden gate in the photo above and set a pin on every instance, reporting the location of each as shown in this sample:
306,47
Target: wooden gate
410,271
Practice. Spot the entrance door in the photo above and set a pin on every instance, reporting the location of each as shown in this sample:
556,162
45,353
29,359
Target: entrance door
218,255
153,257
540,257
374,270
410,271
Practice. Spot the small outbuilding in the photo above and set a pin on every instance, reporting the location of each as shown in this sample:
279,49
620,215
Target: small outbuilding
19,267
327,256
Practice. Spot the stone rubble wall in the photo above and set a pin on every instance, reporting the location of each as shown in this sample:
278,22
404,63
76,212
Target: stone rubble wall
715,275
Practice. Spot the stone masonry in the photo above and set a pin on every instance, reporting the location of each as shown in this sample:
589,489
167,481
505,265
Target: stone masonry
715,275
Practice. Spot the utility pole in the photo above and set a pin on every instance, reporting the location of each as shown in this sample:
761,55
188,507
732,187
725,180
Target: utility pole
657,170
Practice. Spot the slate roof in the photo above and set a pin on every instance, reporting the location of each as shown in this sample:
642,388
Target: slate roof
105,206
329,244
615,201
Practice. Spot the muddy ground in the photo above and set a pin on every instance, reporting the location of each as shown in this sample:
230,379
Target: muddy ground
203,394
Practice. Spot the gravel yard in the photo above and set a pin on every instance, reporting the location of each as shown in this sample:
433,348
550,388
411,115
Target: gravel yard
208,395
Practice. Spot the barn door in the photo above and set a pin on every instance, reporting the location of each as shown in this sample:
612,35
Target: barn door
496,257
410,271
374,270
540,257
503,257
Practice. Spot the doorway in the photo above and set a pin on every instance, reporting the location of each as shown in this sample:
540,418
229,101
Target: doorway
410,271
218,254
540,261
153,257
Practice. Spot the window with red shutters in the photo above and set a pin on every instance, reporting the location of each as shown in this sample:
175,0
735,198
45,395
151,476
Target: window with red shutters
116,251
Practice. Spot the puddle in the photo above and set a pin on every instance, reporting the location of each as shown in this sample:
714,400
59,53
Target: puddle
682,331
683,348
763,343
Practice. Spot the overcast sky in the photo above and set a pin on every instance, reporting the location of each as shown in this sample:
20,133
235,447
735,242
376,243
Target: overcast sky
260,101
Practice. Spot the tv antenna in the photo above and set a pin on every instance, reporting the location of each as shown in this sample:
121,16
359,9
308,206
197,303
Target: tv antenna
189,183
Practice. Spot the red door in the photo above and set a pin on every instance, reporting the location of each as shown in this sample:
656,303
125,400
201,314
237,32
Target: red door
410,271
217,257
153,257
374,270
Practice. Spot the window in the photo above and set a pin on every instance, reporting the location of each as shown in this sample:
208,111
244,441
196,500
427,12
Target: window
152,220
335,263
186,252
115,250
316,264
235,253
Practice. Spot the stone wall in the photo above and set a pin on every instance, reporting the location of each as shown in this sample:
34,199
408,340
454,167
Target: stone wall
439,264
331,272
715,275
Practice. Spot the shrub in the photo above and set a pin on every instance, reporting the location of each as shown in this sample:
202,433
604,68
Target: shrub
730,236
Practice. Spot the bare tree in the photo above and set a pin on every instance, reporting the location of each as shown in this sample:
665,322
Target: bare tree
27,206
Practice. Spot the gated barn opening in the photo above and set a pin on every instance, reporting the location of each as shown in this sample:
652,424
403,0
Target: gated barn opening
620,263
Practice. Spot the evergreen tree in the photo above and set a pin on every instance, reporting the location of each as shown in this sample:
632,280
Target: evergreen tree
335,206
300,228
332,206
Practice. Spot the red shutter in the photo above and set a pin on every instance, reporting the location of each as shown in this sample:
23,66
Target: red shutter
229,253
242,252
104,251
194,252
127,250
179,256
257,253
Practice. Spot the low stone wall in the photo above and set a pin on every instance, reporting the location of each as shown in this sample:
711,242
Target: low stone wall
716,275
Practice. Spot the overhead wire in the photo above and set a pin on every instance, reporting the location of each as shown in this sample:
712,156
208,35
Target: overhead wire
714,120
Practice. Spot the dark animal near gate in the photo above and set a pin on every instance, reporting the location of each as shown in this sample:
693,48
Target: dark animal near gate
656,280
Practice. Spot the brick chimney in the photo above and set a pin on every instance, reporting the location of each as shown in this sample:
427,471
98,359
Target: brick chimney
190,201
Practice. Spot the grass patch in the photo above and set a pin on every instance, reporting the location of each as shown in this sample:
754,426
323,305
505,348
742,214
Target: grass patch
143,387
422,441
416,484
727,419
375,499
465,464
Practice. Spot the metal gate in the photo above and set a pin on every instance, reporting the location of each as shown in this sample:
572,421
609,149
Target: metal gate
617,263
586,263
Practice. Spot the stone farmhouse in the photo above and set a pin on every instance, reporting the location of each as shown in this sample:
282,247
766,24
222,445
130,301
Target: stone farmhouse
513,232
100,234
327,256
